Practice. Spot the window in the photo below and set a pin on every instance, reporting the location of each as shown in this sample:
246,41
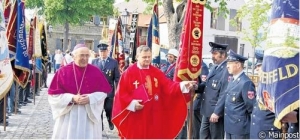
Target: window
91,19
233,13
213,22
217,21
239,27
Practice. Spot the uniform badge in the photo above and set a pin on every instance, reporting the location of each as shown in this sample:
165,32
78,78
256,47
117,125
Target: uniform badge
233,99
214,84
250,94
156,97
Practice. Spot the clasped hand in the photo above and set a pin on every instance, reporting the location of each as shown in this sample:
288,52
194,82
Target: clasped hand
190,84
81,99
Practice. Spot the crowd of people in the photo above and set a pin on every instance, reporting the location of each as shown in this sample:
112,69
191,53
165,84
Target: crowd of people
142,101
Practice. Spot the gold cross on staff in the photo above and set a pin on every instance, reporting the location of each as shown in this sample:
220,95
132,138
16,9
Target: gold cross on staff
136,84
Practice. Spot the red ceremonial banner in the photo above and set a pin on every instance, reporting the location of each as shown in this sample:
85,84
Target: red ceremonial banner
11,31
31,39
188,64
118,53
7,7
190,58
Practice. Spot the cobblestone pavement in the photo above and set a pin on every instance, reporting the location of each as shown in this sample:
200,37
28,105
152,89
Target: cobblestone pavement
35,121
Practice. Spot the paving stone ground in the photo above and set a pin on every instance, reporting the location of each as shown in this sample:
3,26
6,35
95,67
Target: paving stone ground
35,121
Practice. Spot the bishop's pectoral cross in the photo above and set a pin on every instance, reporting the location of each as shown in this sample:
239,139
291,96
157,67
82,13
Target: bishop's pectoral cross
136,84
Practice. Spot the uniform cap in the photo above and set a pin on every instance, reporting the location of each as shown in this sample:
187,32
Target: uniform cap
217,46
259,55
232,56
102,46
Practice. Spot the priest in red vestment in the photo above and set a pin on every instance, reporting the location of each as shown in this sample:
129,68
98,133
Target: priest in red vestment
148,105
76,97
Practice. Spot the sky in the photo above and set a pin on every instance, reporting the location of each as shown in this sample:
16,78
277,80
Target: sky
29,13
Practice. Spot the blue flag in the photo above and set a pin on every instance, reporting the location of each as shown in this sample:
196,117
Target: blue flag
38,65
153,37
149,35
279,81
22,58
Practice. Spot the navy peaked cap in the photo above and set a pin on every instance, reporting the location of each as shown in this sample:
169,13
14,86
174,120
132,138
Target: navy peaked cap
217,46
259,55
232,56
102,46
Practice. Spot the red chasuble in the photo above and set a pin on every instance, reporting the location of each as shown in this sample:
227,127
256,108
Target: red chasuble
64,80
164,112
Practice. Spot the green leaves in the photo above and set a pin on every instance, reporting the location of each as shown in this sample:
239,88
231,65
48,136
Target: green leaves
73,11
255,12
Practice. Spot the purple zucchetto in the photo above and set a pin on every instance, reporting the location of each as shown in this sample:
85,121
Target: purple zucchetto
78,46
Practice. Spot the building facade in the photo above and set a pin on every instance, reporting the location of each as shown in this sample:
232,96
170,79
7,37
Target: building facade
90,33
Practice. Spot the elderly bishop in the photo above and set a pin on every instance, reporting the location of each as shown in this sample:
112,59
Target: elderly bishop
76,96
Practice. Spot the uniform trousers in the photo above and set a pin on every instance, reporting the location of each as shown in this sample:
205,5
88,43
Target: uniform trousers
232,136
196,124
210,130
108,103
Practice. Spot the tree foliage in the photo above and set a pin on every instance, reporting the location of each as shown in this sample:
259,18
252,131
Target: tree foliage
73,11
222,3
289,40
175,16
254,12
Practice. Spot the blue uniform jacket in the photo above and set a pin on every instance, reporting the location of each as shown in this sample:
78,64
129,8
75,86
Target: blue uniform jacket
204,72
261,120
240,98
169,73
111,71
213,98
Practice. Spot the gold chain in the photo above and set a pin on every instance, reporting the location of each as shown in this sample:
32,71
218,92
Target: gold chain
78,90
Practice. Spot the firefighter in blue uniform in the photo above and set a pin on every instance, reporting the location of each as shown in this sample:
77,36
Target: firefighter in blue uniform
212,100
197,103
261,119
110,68
240,98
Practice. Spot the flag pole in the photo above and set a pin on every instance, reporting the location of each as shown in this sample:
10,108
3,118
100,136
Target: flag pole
33,80
190,120
4,112
16,97
157,12
284,128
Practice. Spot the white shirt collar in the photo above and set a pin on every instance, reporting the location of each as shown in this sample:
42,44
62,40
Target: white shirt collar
237,76
140,67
